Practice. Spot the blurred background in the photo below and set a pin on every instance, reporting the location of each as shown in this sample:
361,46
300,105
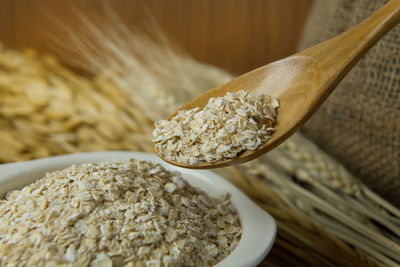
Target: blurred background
236,35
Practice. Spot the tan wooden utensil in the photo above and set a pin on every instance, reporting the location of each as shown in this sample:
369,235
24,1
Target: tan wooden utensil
303,81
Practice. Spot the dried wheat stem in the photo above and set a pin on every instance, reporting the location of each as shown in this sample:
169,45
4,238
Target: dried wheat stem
358,239
383,203
374,214
323,206
363,243
353,206
355,225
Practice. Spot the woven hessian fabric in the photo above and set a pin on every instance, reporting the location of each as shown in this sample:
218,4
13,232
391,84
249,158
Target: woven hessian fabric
359,124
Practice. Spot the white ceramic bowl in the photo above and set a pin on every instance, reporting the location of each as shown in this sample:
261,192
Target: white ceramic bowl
259,228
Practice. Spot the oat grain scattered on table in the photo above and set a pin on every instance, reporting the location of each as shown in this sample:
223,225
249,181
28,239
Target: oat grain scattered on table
224,128
132,213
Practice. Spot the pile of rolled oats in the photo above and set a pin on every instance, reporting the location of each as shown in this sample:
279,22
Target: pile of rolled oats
226,127
132,213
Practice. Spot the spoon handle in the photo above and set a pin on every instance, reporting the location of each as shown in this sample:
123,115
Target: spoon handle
339,54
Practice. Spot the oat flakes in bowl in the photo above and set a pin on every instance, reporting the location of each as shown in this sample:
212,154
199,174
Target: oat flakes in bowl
113,213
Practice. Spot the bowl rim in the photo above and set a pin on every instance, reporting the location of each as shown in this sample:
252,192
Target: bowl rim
258,227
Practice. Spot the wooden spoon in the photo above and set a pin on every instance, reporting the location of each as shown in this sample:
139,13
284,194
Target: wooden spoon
303,81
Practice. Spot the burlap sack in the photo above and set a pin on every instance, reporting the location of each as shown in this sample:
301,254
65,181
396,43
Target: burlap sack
360,122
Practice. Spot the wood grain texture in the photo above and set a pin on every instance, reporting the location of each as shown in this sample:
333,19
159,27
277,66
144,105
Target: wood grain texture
233,34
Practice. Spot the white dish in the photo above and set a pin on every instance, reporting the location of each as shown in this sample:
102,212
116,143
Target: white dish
259,228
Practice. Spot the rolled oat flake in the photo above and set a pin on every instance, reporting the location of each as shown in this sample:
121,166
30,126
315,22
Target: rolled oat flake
226,127
132,213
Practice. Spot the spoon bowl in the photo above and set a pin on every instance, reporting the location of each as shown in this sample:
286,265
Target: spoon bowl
272,79
301,82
